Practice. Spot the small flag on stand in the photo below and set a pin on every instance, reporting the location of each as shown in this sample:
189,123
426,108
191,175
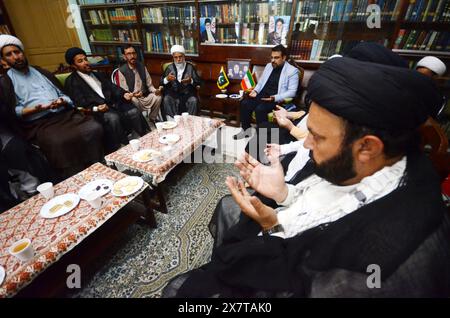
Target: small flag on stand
222,81
247,81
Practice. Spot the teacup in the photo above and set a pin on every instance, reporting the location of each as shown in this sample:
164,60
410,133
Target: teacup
22,249
46,189
135,144
95,200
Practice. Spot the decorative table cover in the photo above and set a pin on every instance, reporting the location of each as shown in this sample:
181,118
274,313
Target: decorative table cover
193,132
52,238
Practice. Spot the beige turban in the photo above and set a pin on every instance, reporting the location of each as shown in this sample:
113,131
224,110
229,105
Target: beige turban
432,63
177,49
6,39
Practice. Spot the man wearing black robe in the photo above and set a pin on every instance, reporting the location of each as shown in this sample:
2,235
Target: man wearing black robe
405,233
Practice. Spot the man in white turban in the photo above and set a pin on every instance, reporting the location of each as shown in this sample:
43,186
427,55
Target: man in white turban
433,67
180,81
45,115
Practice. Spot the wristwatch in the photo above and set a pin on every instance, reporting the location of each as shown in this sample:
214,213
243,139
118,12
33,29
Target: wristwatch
275,229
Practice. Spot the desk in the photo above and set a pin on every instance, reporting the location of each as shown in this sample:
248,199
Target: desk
53,238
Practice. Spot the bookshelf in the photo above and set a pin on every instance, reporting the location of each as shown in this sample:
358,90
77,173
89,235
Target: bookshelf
5,23
313,30
166,23
110,25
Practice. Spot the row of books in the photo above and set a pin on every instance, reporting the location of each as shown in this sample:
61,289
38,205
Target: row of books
253,33
121,15
321,50
260,12
169,14
158,43
4,29
103,1
346,10
224,13
98,17
428,40
129,35
428,11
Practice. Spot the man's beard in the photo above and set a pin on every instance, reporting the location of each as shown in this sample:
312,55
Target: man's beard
19,65
337,169
180,65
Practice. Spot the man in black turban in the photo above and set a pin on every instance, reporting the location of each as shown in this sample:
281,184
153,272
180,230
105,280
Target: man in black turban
110,104
376,53
369,222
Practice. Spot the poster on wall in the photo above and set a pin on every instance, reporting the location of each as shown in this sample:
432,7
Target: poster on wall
208,30
278,29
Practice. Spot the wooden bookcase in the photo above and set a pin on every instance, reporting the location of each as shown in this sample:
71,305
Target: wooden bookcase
5,23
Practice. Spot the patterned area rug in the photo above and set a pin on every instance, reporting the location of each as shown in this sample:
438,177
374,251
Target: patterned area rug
143,260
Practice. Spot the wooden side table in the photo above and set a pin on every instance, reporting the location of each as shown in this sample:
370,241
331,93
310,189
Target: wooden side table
230,108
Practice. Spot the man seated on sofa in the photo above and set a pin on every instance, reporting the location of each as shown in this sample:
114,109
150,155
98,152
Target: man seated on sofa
180,80
278,82
69,140
373,202
94,91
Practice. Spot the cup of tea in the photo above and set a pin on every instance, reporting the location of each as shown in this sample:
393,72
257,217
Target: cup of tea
224,91
177,118
159,127
185,115
95,200
22,249
46,189
135,144
241,92
167,151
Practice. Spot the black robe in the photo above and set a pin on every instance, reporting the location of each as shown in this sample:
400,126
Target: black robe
406,233
84,96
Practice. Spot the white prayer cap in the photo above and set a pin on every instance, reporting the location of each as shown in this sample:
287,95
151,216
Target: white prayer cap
432,63
6,39
333,56
177,49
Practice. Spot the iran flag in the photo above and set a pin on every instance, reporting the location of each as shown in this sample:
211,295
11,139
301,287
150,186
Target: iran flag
247,81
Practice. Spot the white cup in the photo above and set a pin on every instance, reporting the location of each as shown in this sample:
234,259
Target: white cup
46,189
241,92
177,118
22,249
159,127
185,116
135,144
95,200
167,151
95,109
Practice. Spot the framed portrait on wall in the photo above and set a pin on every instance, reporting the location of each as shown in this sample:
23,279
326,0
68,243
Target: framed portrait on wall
236,68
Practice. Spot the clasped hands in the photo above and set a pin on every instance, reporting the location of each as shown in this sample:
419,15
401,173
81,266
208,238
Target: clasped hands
267,180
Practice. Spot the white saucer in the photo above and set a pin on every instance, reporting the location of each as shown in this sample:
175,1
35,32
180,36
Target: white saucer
100,186
127,186
169,124
221,96
146,155
235,96
60,201
169,139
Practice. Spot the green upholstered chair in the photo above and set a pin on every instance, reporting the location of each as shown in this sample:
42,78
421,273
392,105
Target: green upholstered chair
62,77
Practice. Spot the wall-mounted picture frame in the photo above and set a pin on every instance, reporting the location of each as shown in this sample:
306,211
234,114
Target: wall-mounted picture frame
236,68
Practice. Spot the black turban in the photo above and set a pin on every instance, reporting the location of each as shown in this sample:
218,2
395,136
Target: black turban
71,53
376,53
374,95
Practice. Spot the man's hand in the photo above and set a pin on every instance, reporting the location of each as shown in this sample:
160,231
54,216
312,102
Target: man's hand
137,94
56,104
186,80
171,77
250,205
272,151
158,92
103,108
268,99
267,180
128,96
282,119
253,94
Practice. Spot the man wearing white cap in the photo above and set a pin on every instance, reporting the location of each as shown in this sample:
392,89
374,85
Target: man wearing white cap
432,67
180,80
45,115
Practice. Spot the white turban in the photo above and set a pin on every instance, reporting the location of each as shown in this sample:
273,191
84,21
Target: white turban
6,39
432,63
177,49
